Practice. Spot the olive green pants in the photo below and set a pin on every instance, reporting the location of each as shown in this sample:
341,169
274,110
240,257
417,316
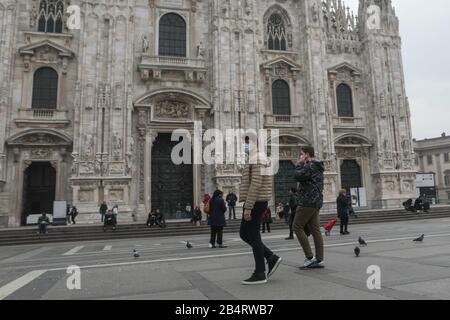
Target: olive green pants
307,221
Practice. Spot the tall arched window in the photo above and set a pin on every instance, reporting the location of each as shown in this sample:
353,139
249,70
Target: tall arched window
281,100
172,35
45,89
276,33
351,175
344,101
50,18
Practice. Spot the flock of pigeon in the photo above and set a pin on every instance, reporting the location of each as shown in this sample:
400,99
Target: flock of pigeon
362,243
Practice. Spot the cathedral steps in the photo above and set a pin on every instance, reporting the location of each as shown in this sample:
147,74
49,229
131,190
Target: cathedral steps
88,233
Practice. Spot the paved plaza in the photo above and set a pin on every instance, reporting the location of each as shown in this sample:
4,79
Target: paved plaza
166,269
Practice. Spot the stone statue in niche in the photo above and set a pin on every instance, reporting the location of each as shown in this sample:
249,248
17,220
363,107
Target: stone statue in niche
89,145
200,51
145,44
315,12
117,146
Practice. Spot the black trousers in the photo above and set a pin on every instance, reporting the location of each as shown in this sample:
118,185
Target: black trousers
251,234
232,210
216,233
42,228
344,224
264,227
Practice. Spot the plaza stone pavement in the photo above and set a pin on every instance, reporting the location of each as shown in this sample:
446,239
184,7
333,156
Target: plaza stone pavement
167,270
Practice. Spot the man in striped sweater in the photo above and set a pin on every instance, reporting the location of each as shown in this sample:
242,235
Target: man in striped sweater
256,192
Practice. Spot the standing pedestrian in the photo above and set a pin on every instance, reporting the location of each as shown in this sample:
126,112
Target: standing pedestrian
232,200
266,220
310,175
74,214
343,211
217,211
197,216
293,203
279,211
68,213
178,211
256,192
103,209
188,211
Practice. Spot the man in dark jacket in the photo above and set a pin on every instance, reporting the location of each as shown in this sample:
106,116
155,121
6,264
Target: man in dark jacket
231,200
217,219
310,175
293,203
103,210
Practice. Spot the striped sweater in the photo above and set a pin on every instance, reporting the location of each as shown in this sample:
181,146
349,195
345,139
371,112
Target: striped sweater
255,187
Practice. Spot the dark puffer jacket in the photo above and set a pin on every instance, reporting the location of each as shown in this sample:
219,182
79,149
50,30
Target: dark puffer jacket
310,177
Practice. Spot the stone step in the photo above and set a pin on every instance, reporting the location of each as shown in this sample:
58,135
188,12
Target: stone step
176,229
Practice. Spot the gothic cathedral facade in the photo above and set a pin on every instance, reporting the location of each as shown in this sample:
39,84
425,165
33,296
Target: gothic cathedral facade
86,114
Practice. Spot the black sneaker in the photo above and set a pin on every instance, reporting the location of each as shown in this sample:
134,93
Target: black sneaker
256,278
273,263
290,238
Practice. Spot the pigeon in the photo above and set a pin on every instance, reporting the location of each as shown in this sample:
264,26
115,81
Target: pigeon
357,251
136,254
189,245
362,242
420,239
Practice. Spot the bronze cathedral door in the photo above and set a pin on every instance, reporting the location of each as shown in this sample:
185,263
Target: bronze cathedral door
171,184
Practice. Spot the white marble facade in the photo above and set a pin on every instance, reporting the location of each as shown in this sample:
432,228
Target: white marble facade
116,93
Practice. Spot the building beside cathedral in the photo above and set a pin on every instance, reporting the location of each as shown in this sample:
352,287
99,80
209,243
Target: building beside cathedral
86,115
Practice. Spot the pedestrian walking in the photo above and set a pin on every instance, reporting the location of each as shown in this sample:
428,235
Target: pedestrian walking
343,211
266,220
217,209
256,192
232,200
293,203
310,175
103,210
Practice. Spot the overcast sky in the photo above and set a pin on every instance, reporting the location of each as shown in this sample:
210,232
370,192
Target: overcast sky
425,32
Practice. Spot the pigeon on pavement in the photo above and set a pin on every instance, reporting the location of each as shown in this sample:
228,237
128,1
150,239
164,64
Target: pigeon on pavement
357,252
189,245
136,254
362,242
420,239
